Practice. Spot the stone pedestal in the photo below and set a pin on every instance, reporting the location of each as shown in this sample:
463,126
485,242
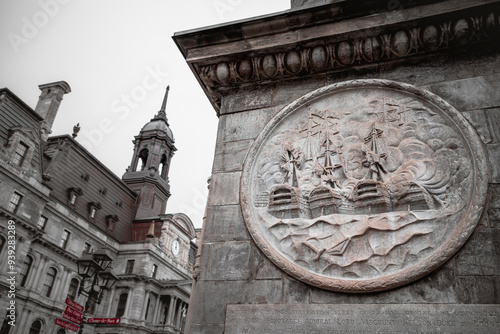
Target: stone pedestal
356,164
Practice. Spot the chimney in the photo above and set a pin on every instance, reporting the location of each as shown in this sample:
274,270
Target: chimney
48,104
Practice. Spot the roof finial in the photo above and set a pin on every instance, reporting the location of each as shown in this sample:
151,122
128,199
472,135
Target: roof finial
164,104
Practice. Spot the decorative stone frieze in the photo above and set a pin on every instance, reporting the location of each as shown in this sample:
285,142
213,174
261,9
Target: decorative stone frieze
392,43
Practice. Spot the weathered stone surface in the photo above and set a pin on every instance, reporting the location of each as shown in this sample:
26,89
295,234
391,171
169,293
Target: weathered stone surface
494,205
229,156
214,296
295,292
261,267
224,188
242,126
478,289
285,92
227,261
485,242
246,99
485,121
362,318
437,287
225,223
470,93
494,156
206,328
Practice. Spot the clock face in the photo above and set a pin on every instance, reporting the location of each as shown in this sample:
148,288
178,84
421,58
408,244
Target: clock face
175,247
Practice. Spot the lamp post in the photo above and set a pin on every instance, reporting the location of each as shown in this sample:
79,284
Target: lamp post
95,268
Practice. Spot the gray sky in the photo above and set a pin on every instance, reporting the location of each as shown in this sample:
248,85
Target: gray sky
118,56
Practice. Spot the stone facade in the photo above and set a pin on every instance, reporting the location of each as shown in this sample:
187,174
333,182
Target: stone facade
260,71
58,202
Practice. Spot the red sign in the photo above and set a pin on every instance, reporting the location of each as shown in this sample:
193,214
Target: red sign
66,325
72,318
73,312
74,305
109,321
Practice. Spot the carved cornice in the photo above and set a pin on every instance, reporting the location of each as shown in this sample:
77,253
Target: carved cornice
411,33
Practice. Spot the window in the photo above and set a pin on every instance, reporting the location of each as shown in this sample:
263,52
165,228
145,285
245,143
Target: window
61,331
86,248
49,282
111,221
36,327
93,208
25,271
153,272
143,156
163,166
147,309
73,196
73,289
72,199
5,326
2,242
64,239
14,202
20,154
42,222
122,303
130,267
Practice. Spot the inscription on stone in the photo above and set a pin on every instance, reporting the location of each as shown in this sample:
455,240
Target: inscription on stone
364,185
363,319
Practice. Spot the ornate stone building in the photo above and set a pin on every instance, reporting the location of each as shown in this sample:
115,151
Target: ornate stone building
364,197
58,201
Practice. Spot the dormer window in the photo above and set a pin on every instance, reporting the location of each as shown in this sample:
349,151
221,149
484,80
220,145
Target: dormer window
111,221
74,194
73,199
20,153
94,207
20,146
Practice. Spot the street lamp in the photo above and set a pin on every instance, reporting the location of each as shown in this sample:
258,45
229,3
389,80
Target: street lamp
97,269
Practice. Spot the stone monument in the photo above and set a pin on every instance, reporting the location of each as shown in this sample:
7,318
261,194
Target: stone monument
355,178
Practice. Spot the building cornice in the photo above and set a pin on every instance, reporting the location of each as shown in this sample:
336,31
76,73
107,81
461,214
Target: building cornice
265,50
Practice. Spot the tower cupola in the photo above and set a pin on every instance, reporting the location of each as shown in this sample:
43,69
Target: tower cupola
147,174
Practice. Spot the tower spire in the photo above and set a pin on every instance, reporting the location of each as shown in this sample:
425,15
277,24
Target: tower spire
162,111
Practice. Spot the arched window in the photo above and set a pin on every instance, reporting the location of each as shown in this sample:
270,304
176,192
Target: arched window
122,302
2,242
143,156
163,166
61,331
73,288
36,327
49,282
25,271
147,309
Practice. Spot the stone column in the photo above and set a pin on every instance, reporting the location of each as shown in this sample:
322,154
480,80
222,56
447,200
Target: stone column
37,278
178,314
61,285
157,309
110,302
137,301
170,317
145,304
127,306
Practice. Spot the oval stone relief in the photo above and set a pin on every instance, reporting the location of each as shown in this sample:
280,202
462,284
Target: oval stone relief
364,185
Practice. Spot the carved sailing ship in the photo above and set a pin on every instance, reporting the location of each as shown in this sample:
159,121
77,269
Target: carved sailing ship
366,196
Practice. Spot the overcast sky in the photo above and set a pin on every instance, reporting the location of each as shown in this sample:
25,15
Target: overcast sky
118,56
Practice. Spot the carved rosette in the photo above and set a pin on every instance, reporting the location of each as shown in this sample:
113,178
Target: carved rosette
364,185
378,47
